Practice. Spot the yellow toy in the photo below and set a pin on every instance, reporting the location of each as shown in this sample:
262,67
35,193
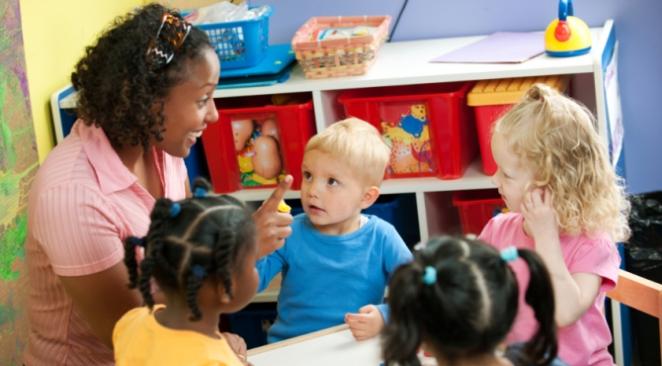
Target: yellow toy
284,207
567,35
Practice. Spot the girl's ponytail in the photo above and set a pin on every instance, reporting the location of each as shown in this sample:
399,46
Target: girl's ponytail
542,348
401,336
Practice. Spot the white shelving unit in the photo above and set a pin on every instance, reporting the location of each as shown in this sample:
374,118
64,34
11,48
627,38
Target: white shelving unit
407,63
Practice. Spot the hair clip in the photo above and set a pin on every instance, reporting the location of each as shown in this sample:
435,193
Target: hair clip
175,209
200,192
169,38
198,271
430,275
509,254
136,241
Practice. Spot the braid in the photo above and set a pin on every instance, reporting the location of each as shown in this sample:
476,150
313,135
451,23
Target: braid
130,244
223,258
146,269
193,284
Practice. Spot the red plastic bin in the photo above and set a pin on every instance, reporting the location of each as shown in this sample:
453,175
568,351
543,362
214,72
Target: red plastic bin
476,208
429,127
255,141
491,99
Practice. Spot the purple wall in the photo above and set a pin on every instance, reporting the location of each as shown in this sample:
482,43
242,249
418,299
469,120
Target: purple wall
638,28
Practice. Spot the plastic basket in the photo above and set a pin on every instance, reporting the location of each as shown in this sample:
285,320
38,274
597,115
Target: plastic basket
242,43
476,208
232,169
429,127
493,98
338,57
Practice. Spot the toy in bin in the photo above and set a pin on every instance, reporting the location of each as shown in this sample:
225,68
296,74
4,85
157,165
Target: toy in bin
256,144
491,99
567,35
405,129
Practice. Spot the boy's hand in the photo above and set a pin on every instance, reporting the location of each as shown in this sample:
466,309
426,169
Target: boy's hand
273,226
366,324
237,344
539,215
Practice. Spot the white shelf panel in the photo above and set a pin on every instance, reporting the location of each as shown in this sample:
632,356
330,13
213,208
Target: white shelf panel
473,179
407,63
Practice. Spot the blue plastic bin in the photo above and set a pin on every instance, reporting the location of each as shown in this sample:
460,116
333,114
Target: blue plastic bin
242,43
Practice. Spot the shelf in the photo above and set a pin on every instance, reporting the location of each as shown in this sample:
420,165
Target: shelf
473,178
407,63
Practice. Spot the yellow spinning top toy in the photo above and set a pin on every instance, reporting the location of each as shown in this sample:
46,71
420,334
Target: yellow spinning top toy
567,35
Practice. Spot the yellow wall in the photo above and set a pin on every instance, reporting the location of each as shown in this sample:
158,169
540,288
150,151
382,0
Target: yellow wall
55,33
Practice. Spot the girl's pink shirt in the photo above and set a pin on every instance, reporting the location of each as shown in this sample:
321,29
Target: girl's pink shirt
584,342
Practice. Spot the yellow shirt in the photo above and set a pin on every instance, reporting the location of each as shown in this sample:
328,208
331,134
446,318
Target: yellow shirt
139,339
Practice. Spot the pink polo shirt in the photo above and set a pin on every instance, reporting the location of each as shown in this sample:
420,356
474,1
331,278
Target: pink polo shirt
83,203
584,342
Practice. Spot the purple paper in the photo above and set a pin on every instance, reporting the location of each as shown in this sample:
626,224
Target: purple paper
500,47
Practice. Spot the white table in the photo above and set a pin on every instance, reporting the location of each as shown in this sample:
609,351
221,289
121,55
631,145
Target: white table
329,347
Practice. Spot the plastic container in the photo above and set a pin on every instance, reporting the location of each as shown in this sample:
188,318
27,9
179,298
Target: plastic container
339,56
242,43
254,142
429,127
476,208
493,98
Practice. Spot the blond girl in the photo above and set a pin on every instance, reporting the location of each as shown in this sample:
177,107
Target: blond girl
568,205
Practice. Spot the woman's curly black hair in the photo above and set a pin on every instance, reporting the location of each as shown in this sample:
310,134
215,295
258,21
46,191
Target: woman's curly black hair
118,88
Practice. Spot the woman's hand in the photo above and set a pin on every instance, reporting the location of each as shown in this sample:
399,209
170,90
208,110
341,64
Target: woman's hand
273,226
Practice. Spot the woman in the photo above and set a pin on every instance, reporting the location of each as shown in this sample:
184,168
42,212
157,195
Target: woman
144,98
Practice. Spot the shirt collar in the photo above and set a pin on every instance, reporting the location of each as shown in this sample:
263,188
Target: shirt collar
111,173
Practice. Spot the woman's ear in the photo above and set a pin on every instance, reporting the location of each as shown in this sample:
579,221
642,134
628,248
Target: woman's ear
369,197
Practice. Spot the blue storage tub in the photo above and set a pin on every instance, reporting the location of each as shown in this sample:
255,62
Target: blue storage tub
242,43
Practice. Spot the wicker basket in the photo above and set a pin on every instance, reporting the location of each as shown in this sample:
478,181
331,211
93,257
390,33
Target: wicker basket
338,57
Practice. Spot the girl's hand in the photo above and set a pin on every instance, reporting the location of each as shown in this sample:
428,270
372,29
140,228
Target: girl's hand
366,324
273,226
540,218
237,344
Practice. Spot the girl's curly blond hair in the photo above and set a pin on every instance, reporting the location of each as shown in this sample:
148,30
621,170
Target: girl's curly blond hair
556,137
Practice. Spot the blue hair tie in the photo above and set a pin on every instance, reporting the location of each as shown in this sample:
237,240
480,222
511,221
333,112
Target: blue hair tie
200,192
509,254
198,271
430,276
175,209
136,241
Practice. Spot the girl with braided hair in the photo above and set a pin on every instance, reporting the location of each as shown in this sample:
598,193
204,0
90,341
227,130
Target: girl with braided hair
201,252
458,300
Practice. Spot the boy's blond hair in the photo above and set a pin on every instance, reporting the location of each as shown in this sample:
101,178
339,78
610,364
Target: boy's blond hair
555,136
356,143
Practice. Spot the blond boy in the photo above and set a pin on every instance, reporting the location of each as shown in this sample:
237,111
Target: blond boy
337,262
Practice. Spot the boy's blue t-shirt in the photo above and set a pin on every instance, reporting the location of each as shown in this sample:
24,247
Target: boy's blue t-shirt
326,276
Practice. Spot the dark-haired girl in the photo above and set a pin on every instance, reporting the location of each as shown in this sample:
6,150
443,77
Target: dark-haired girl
144,97
201,252
458,300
